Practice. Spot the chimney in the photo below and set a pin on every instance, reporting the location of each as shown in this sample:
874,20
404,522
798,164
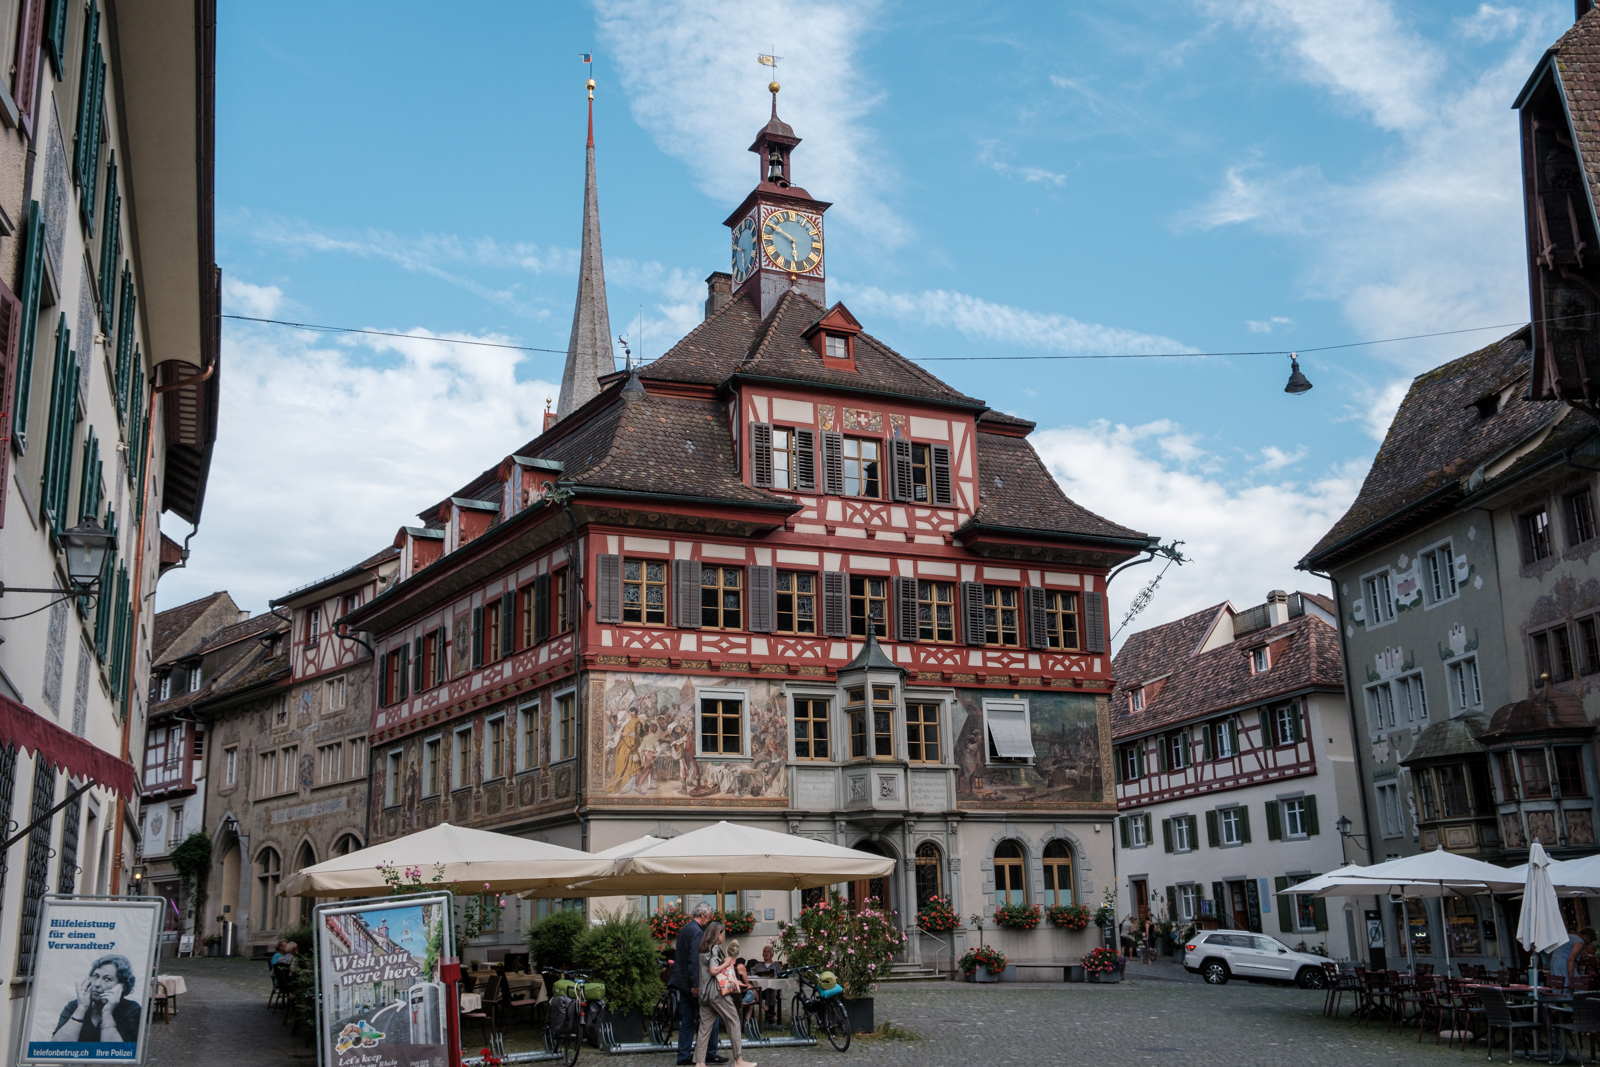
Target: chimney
1277,607
719,290
244,615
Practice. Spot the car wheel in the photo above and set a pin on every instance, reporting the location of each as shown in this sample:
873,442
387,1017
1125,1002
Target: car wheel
1215,972
1311,978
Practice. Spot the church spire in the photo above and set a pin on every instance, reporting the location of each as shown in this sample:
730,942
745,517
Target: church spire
589,348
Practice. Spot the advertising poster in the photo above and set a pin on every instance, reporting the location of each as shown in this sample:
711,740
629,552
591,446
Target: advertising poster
383,1004
92,980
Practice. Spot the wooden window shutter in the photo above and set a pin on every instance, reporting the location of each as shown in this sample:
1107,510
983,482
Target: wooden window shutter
1312,828
833,461
1166,834
1267,737
761,455
1285,905
1161,754
941,474
1319,914
27,325
1148,828
508,611
384,699
835,608
1094,623
60,430
974,631
1244,823
440,671
404,673
477,638
418,662
1211,837
1205,737
686,594
1033,608
541,603
905,609
110,244
900,469
1116,758
1122,826
608,592
1194,832
55,36
1297,730
805,459
86,75
1172,902
25,69
763,610
10,321
1274,822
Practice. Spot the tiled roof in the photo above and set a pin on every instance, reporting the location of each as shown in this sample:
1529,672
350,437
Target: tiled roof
1221,678
173,623
1577,56
235,674
1438,438
1324,602
1151,653
227,635
1016,490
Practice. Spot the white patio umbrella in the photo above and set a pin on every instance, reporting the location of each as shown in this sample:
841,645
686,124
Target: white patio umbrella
1540,929
615,852
471,857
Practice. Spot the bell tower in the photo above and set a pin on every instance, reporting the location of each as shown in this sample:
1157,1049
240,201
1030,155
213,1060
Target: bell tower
777,230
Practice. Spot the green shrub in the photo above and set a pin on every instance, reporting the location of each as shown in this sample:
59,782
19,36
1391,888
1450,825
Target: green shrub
550,940
620,951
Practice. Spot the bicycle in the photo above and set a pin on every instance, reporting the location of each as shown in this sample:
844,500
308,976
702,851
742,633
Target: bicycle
825,1013
664,1017
570,1042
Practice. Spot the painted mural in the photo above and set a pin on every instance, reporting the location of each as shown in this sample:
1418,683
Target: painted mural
1066,742
650,748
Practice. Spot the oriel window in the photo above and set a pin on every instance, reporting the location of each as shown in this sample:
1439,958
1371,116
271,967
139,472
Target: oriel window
862,465
497,748
721,597
936,611
721,727
797,603
644,592
1569,770
1061,620
869,598
871,726
1000,614
1535,773
922,732
810,729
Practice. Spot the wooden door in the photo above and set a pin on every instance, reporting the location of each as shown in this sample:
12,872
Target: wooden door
1141,899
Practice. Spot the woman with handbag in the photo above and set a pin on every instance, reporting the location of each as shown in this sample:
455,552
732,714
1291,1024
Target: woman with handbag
719,993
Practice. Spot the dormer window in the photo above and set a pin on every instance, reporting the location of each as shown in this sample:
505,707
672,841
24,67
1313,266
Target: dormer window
1138,699
1259,660
838,346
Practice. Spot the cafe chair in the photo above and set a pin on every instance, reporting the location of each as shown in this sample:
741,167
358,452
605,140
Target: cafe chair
526,997
1583,1019
488,1013
279,996
1498,1015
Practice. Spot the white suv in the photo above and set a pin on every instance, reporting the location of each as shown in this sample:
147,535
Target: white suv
1217,955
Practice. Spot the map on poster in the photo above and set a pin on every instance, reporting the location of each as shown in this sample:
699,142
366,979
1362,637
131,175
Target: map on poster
383,1004
92,980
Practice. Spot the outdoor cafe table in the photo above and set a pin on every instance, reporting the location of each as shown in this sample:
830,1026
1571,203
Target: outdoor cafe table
170,985
781,986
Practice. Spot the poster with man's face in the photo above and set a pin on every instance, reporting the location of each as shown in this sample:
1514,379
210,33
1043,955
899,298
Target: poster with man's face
383,1004
92,977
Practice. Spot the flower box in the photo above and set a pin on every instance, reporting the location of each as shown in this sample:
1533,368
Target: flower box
1017,916
1106,976
983,974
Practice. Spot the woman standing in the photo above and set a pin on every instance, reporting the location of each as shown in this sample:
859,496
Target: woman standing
714,1004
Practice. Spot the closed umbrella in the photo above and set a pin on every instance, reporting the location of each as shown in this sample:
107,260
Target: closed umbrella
470,857
1540,929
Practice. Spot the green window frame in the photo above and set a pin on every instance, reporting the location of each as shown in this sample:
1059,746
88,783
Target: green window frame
61,428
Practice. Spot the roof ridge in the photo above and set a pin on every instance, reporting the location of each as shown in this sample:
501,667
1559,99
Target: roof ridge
767,331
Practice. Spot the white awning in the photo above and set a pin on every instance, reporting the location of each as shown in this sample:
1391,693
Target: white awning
1008,732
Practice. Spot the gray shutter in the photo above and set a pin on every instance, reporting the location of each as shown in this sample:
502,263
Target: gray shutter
763,599
905,609
405,669
1296,726
1244,823
1312,828
1274,822
1094,624
972,614
1267,738
541,600
416,665
805,459
508,613
761,455
1319,914
686,594
833,461
835,608
941,474
899,469
608,592
1280,883
1194,832
1033,608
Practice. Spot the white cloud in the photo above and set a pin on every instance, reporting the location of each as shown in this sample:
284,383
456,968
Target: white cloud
692,78
307,481
1274,458
1374,408
990,153
980,320
261,301
1266,325
1243,538
1489,22
1273,203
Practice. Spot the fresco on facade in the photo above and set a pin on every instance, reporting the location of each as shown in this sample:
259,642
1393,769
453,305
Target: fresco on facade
650,748
1066,745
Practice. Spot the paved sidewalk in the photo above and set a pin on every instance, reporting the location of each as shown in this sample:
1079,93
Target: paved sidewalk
223,1019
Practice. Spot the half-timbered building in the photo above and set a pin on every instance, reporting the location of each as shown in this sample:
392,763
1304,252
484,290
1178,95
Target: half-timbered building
783,575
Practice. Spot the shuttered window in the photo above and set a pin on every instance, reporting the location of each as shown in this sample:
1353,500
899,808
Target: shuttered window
541,601
863,467
972,613
721,597
10,322
940,464
91,115
795,600
644,592
503,618
833,462
936,611
805,459
110,244
686,612
1037,630
609,591
27,325
1000,615
419,660
869,606
761,455
899,469
25,67
905,608
60,431
477,637
1094,626
762,610
55,35
91,479
125,349
835,610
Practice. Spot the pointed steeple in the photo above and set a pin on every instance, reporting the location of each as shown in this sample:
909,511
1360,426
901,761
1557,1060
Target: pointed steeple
589,349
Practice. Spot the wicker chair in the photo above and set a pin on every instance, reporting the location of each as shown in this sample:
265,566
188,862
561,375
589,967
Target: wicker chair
1584,1018
488,1015
1498,1015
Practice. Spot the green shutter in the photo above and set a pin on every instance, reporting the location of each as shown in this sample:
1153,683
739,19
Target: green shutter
1205,739
1144,758
60,430
55,35
1116,759
1267,738
1285,903
1161,754
1149,828
1172,902
1211,829
1312,829
1194,832
86,80
1166,834
404,673
1244,823
1219,900
1297,728
477,638
1319,913
1122,828
110,244
1274,822
32,280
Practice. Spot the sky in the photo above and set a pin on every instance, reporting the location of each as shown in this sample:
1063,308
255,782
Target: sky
1010,181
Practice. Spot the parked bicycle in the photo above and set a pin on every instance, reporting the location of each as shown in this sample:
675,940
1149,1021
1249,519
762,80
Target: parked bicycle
664,1017
564,1029
810,1014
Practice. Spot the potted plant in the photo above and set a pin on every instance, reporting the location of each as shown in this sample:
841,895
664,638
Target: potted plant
1073,917
937,916
619,952
983,964
739,923
213,943
1017,916
1103,965
1105,916
858,947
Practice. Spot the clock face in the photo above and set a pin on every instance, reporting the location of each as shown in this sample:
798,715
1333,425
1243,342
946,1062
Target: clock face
744,250
791,241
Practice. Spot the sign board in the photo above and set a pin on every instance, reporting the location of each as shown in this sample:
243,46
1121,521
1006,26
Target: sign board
93,977
383,1003
186,945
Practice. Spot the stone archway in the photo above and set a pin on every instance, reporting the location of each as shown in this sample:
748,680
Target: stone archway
884,888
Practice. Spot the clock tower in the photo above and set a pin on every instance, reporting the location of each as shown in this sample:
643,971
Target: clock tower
777,231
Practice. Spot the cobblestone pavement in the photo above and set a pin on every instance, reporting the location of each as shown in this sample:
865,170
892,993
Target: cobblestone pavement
223,1019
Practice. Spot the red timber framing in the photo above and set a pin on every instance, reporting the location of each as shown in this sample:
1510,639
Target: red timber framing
1258,759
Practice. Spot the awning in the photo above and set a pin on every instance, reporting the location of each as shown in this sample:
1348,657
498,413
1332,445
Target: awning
1008,732
34,733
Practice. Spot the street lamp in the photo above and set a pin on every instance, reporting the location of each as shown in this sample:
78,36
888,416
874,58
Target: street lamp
1298,382
1345,826
86,545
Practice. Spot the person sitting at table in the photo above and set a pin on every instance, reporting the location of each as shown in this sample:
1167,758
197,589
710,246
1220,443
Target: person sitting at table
768,967
282,955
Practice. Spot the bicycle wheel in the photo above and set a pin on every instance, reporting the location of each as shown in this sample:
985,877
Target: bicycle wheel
837,1025
570,1046
799,1021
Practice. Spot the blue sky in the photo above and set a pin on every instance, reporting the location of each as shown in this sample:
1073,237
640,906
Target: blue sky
1008,180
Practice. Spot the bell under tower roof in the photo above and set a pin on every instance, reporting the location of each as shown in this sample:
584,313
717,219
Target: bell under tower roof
589,348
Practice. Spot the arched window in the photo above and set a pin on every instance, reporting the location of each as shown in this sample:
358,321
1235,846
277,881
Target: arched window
1058,881
269,871
306,857
1009,884
930,873
347,844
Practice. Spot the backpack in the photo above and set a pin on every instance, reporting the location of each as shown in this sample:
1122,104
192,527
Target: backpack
563,1015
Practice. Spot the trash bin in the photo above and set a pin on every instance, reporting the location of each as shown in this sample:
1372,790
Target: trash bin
227,946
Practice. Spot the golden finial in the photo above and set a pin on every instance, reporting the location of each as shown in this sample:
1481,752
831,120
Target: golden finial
591,88
773,87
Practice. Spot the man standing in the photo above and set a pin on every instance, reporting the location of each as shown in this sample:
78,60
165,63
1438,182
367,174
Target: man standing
686,980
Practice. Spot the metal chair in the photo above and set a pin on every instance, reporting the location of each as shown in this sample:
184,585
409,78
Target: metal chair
279,997
1498,1015
488,1014
1412,990
1584,1018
